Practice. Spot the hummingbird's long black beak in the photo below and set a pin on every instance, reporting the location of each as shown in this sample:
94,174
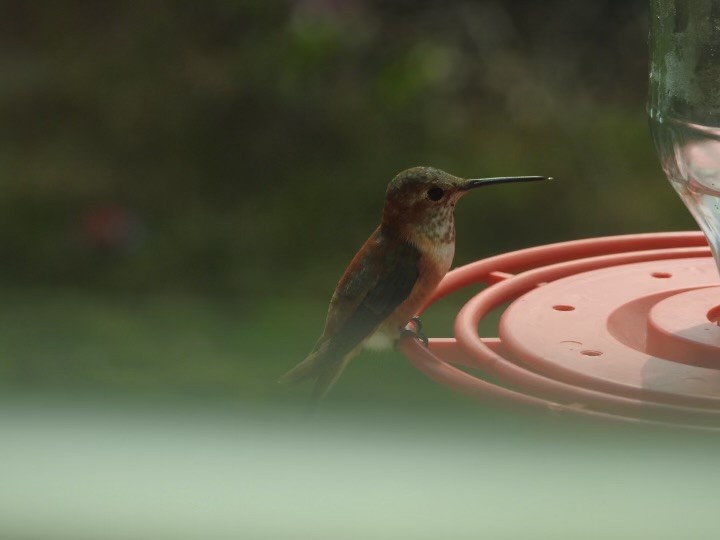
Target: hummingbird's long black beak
480,182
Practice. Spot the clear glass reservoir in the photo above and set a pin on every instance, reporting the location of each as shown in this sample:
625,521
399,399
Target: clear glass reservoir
684,104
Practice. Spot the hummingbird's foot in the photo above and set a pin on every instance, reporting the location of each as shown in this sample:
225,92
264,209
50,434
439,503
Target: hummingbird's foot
418,323
416,333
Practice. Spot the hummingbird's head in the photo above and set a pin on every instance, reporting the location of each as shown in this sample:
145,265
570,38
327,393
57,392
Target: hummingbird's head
421,200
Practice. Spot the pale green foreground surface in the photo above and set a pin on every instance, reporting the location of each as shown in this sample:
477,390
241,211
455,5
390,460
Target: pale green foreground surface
88,470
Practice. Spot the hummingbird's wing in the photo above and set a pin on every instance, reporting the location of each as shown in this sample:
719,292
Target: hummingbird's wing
379,279
371,289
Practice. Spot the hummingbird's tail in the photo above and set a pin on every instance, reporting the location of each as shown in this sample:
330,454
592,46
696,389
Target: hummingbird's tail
319,366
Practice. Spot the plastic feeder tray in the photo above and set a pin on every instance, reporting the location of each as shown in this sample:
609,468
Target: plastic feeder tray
620,328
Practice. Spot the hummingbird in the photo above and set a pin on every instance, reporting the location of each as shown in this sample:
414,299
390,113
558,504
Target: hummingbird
393,273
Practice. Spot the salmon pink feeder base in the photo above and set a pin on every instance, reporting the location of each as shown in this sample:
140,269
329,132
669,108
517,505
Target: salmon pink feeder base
619,328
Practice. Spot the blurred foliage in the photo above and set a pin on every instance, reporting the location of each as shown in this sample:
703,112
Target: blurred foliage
244,147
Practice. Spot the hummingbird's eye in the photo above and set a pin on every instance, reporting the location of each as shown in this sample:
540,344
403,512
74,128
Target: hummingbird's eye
435,193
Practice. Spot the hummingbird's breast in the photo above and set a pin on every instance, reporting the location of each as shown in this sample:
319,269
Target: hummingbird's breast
433,234
436,242
435,261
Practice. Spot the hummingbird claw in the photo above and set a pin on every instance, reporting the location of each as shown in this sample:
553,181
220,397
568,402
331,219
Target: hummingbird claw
417,322
416,333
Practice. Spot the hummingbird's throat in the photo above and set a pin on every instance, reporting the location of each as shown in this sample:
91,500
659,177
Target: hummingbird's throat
438,225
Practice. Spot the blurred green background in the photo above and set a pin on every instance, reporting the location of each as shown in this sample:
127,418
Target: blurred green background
182,183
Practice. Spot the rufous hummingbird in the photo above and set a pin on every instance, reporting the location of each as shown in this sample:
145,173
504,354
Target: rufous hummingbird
393,273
